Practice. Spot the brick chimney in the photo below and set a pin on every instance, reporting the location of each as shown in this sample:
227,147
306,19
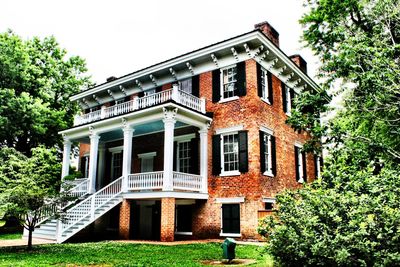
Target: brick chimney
112,78
300,62
268,31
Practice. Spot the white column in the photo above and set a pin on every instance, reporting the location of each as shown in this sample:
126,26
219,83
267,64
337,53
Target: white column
203,159
102,165
169,124
66,158
94,148
127,156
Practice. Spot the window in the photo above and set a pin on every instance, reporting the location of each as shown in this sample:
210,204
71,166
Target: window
230,153
119,101
147,161
265,83
318,165
183,160
300,162
230,220
267,152
186,85
288,100
184,219
269,203
116,168
229,79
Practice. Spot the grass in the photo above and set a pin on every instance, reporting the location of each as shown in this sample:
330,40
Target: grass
124,254
10,236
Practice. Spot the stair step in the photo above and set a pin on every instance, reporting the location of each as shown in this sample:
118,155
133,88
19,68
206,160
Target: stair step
45,232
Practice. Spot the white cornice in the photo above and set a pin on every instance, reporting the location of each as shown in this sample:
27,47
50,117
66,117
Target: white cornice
274,52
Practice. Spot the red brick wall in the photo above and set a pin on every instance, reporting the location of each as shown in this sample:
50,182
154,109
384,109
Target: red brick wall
124,219
251,112
167,219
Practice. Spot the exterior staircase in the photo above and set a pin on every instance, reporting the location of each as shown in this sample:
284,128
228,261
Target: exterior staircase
80,215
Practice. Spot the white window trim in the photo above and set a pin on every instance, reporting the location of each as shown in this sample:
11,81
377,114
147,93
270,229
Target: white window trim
230,200
300,159
235,128
270,132
223,172
221,90
288,101
116,149
265,91
318,163
186,137
269,200
184,233
229,235
147,155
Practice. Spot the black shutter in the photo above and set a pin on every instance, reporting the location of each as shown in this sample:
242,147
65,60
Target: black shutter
262,152
216,154
216,85
243,152
158,89
241,78
196,86
303,154
296,162
141,94
270,90
175,155
316,165
231,218
273,155
259,76
194,156
127,99
283,87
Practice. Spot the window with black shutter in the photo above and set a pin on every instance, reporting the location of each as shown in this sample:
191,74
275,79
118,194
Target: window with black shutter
264,84
230,219
300,163
267,153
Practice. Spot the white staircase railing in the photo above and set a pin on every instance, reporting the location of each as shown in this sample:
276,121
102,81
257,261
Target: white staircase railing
145,181
80,189
186,181
87,208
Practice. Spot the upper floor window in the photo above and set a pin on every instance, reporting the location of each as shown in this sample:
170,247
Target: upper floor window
300,162
318,165
229,79
264,83
230,153
186,85
288,96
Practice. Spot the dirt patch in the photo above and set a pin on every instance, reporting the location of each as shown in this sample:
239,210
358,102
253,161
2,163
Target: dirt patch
235,262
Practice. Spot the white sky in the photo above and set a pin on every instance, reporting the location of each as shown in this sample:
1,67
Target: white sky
120,36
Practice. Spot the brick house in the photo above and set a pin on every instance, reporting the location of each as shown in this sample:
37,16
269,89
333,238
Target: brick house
193,147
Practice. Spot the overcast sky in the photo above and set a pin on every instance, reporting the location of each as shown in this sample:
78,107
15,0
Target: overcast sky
120,36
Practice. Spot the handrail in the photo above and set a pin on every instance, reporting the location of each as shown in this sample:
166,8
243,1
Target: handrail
91,203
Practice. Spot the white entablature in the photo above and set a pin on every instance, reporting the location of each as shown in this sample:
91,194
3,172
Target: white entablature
253,45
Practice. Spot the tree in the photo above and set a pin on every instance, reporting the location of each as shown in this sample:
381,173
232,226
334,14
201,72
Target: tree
350,217
29,186
36,80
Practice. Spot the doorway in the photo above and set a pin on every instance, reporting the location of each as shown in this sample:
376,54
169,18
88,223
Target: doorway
145,220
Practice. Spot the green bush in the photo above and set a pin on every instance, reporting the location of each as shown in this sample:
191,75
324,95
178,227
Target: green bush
356,223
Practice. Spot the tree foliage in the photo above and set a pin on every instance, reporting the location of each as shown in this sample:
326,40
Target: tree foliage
350,217
36,80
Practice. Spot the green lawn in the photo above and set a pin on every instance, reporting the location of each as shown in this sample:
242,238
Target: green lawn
10,236
124,254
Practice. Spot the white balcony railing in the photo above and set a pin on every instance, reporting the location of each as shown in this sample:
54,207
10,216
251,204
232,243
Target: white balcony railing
155,180
181,97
